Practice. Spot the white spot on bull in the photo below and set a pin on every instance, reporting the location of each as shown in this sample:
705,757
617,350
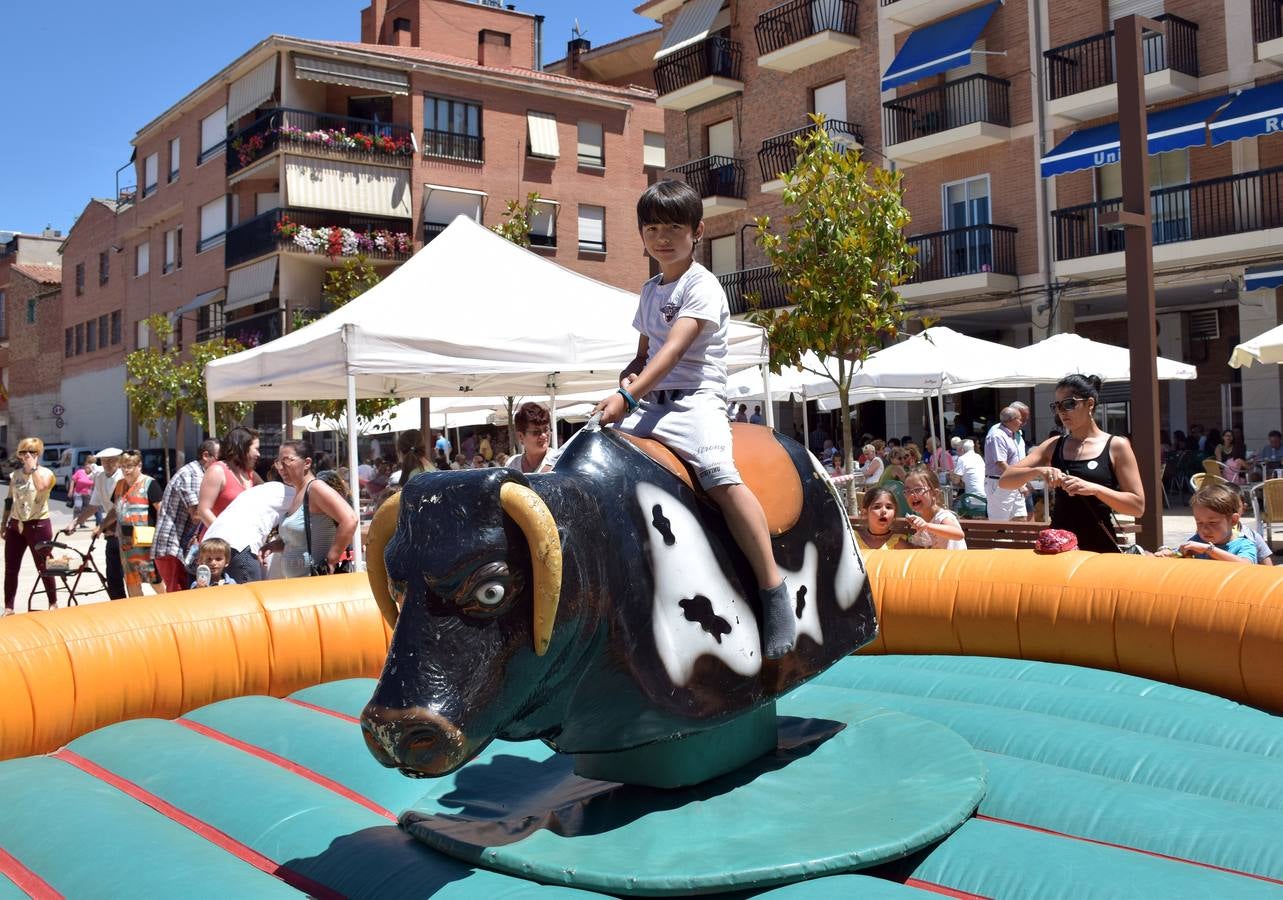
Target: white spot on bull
809,624
850,573
681,571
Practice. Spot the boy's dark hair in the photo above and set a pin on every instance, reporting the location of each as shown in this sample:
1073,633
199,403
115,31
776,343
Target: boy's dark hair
670,203
1219,498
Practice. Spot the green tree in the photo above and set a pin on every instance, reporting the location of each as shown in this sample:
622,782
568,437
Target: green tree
518,218
841,255
164,386
343,285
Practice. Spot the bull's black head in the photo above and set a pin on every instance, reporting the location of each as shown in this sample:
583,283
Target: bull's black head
472,583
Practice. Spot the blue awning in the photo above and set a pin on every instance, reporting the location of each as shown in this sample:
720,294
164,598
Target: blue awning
938,47
1169,129
1257,278
1256,111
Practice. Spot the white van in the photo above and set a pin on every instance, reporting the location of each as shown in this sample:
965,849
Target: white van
69,459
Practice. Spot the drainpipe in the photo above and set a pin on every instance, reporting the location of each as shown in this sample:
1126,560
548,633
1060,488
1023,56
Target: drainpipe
1044,214
539,43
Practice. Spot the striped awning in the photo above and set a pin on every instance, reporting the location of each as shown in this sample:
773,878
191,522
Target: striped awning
326,184
1257,278
202,299
442,203
1251,113
543,135
938,47
251,284
249,92
693,24
333,71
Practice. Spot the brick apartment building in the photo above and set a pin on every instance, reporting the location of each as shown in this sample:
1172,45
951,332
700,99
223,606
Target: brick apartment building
441,109
972,101
30,273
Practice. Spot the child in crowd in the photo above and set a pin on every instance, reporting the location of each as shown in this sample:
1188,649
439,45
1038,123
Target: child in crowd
1217,509
1264,553
674,388
874,533
215,553
934,526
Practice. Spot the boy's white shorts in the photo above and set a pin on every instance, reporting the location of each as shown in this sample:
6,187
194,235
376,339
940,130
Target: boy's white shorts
693,424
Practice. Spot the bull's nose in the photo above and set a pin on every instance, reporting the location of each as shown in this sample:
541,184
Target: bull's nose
416,739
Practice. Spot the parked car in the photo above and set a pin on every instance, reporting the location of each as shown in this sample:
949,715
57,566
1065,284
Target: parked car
71,459
154,463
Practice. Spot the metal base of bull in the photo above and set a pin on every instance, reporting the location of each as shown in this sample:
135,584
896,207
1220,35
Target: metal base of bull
690,760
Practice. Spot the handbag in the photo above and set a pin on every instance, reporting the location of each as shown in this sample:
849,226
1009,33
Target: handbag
144,535
322,567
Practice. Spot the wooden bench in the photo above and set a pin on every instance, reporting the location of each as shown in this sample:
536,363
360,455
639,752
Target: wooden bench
987,534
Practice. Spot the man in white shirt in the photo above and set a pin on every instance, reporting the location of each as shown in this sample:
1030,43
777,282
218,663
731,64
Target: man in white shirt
969,469
1000,452
246,523
104,487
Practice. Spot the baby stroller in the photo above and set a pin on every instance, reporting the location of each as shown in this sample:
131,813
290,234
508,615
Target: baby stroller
70,567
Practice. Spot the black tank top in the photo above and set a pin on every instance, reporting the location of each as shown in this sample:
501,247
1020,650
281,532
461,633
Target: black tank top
1087,517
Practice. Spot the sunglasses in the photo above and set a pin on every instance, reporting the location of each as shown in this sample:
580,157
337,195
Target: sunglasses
27,453
918,491
1069,404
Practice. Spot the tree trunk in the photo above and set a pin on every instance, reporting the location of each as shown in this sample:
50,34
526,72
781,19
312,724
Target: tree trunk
848,448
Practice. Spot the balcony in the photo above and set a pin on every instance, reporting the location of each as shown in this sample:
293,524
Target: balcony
1081,76
946,120
1204,221
320,135
719,180
699,74
961,262
311,232
898,15
453,145
254,331
779,153
802,32
1267,30
758,288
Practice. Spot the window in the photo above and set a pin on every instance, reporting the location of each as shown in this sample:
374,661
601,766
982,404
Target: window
210,320
115,328
178,247
102,331
543,224
4,321
80,279
91,336
721,255
68,342
171,251
151,168
830,101
541,135
80,339
1170,208
143,335
175,155
592,228
31,311
213,134
591,144
653,155
442,204
104,267
142,259
452,128
213,224
969,250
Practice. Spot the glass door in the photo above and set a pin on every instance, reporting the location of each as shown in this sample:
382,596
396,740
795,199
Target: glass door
968,248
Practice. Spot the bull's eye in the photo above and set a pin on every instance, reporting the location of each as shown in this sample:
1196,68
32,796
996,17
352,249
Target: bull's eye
489,594
397,590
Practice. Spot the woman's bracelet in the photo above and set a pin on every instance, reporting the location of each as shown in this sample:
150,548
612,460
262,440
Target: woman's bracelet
628,398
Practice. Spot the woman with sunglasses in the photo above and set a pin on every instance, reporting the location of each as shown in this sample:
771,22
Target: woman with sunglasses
26,523
1094,474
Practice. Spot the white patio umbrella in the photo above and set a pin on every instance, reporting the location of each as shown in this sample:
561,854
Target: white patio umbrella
1050,360
1264,348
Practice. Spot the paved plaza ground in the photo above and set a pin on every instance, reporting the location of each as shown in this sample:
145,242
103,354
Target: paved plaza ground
1178,524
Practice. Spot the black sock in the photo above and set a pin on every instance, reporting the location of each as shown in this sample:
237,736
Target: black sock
779,625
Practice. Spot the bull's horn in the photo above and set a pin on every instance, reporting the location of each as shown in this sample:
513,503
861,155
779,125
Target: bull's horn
382,527
535,520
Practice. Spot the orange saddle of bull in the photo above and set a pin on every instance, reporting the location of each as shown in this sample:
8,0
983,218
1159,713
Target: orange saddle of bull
765,466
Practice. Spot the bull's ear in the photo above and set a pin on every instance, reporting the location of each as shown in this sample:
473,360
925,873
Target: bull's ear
382,527
535,520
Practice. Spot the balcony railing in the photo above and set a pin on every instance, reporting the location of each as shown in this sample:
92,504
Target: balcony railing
714,56
253,331
715,176
764,282
319,134
453,145
1089,63
790,22
1235,204
1267,20
779,153
972,250
976,98
296,231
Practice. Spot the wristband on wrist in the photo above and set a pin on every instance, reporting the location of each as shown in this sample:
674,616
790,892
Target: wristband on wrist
628,398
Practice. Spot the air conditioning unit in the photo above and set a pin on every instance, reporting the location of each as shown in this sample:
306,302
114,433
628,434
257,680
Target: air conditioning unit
1205,324
498,4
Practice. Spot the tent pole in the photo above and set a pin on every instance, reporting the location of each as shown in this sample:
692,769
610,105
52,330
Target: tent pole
354,484
931,418
552,402
806,427
766,389
209,410
944,435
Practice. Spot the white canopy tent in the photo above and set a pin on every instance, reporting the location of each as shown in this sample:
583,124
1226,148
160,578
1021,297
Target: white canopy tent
1048,361
469,313
1264,348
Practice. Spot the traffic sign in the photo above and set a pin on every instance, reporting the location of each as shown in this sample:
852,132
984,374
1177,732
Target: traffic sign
58,410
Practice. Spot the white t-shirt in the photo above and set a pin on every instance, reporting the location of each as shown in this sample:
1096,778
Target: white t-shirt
970,467
931,541
104,487
549,460
250,518
696,295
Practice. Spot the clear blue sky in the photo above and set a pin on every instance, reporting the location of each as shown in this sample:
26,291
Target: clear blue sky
82,77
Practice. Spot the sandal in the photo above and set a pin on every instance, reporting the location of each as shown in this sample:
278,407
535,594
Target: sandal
8,611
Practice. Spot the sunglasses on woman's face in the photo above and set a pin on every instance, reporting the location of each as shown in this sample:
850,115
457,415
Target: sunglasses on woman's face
1069,404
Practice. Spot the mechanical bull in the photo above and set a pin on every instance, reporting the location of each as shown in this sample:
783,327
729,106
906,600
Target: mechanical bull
599,607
